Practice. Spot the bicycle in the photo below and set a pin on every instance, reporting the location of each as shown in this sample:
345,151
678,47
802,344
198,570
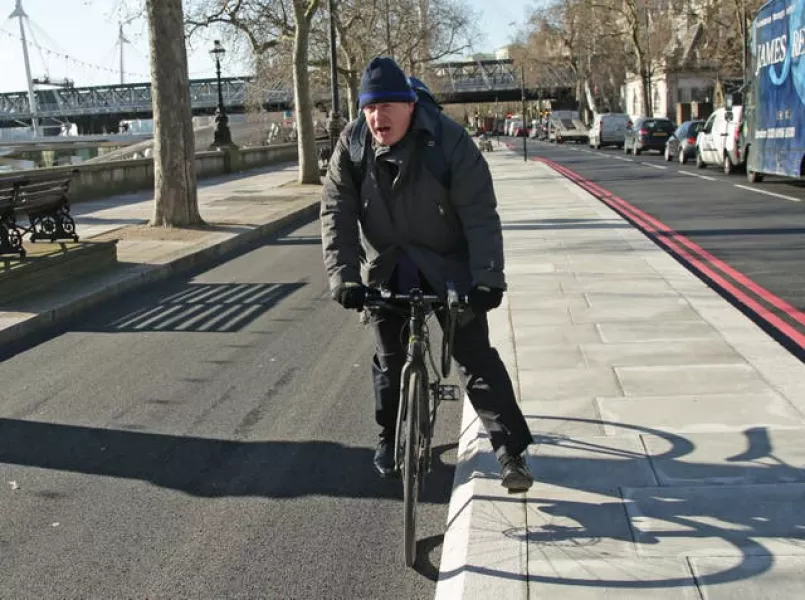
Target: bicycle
419,395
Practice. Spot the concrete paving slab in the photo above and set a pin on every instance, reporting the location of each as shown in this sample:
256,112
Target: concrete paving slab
654,311
563,417
753,456
690,379
536,356
661,353
601,265
567,384
496,563
524,316
749,577
729,520
699,413
721,314
536,299
630,296
785,377
534,267
483,553
645,331
643,286
745,332
576,525
624,279
601,464
611,247
622,579
555,335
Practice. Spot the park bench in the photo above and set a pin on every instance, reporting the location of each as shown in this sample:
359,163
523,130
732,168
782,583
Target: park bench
42,198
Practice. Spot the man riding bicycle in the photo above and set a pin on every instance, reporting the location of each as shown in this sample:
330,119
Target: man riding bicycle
389,220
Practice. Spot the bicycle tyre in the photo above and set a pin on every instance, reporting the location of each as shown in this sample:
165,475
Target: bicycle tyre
411,465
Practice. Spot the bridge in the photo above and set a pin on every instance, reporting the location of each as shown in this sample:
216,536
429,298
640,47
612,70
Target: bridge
452,82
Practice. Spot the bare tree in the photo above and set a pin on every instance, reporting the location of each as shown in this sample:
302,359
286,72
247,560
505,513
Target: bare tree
576,39
414,32
176,198
270,25
725,28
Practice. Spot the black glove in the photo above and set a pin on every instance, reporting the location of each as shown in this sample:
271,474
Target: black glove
350,295
483,299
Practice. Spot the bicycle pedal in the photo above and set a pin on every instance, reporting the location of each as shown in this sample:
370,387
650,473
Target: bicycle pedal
449,393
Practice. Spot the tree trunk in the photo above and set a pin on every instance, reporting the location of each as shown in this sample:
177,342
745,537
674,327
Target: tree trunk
306,142
175,193
353,85
648,108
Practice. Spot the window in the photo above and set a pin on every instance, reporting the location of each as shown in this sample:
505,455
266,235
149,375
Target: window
708,127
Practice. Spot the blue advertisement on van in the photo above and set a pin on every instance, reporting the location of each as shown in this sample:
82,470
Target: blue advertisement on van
776,119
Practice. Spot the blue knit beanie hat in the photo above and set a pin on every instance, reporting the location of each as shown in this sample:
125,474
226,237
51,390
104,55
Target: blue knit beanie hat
384,81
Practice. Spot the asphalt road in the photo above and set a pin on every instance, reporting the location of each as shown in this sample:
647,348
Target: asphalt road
209,438
757,229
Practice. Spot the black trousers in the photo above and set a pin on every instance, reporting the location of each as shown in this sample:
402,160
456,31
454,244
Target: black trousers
481,371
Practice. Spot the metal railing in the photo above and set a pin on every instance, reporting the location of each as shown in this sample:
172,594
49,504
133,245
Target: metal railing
446,78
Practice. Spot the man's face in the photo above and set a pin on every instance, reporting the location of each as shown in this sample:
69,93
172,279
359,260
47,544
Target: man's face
389,121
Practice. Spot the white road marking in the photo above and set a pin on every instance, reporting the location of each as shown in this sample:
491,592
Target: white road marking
783,196
707,177
654,166
623,158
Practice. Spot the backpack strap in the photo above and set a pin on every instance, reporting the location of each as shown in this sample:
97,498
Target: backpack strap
358,139
433,152
434,156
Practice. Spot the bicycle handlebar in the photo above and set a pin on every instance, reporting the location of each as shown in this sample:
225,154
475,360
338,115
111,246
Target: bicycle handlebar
379,298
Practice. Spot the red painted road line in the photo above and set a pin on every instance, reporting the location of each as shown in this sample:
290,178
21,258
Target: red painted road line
659,232
739,277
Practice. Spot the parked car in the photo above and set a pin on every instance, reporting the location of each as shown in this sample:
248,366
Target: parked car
682,144
648,133
608,129
720,141
565,129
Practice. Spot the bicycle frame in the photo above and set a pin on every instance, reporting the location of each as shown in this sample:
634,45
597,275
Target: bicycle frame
415,360
412,446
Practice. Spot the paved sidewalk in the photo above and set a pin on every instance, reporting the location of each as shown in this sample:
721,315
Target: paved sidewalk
239,209
669,429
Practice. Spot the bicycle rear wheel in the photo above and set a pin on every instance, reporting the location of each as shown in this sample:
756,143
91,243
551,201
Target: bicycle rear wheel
412,471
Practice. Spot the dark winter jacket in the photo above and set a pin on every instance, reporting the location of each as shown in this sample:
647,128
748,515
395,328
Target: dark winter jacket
451,235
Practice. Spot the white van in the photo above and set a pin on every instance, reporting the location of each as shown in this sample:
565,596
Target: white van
720,142
608,129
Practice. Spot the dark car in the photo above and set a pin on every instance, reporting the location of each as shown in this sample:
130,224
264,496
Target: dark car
648,133
682,144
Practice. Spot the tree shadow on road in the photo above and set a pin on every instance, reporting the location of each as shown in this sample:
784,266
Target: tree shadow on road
209,467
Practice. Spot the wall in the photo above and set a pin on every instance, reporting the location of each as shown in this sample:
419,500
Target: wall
107,179
667,89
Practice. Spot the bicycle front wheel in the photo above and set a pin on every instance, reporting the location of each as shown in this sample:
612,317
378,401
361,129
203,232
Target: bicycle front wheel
412,472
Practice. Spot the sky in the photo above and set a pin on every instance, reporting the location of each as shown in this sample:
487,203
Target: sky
77,40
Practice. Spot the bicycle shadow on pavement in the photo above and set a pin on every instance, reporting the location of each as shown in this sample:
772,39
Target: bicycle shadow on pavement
615,512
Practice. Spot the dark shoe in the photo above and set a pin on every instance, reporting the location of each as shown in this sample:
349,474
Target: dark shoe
515,474
384,458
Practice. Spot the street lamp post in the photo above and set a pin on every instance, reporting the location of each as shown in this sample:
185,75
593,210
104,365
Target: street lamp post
525,125
335,117
223,137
